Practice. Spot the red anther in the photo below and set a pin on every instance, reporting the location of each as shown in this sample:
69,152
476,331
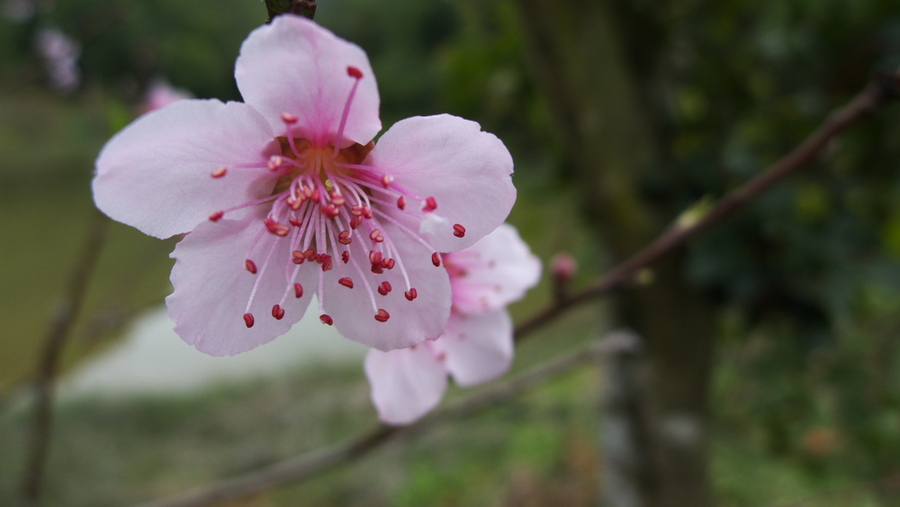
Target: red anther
346,282
354,72
307,190
278,312
344,238
216,216
436,259
327,263
374,257
250,265
320,258
316,195
385,288
388,263
382,315
276,228
249,320
345,256
401,202
356,210
377,269
386,180
298,291
294,202
336,198
220,172
288,118
296,222
310,254
411,294
297,257
459,231
430,204
367,212
376,236
355,222
275,162
326,319
330,210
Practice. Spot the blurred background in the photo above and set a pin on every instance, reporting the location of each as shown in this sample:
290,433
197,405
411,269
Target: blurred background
768,369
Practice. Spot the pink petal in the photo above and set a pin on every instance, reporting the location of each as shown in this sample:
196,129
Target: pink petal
466,170
156,173
478,348
295,66
212,287
405,383
410,322
497,270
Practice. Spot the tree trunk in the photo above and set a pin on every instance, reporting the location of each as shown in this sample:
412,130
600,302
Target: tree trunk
601,92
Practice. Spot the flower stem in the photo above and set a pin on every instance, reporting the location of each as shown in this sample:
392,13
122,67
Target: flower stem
305,8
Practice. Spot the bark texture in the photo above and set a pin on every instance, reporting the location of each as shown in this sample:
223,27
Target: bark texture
599,64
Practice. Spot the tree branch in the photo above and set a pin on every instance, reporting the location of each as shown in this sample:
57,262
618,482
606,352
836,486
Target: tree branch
57,336
306,466
883,89
305,8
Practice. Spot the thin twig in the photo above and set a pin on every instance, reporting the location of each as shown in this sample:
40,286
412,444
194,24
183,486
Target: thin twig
306,466
48,365
880,91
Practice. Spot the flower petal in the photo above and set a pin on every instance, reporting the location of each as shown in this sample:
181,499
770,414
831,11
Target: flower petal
405,383
466,170
410,322
295,66
156,173
496,271
478,348
212,287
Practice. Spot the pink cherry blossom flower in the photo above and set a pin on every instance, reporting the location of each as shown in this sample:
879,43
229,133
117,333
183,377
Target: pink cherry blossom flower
160,94
60,54
477,344
285,197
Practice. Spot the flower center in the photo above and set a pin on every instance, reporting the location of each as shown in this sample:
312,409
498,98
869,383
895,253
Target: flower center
325,200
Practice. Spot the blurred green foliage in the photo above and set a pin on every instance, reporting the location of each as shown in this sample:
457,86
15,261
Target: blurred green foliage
806,280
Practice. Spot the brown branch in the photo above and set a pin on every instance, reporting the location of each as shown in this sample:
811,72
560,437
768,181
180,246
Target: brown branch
304,467
305,8
880,91
48,362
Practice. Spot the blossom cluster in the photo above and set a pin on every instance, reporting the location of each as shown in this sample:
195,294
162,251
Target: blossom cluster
477,344
286,196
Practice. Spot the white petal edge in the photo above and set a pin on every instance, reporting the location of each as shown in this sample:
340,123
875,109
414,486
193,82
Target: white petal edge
478,348
156,174
212,287
466,170
406,384
295,66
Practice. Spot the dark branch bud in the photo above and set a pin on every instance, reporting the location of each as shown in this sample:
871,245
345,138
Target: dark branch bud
305,8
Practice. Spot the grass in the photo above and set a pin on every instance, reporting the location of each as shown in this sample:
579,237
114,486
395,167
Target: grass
115,453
